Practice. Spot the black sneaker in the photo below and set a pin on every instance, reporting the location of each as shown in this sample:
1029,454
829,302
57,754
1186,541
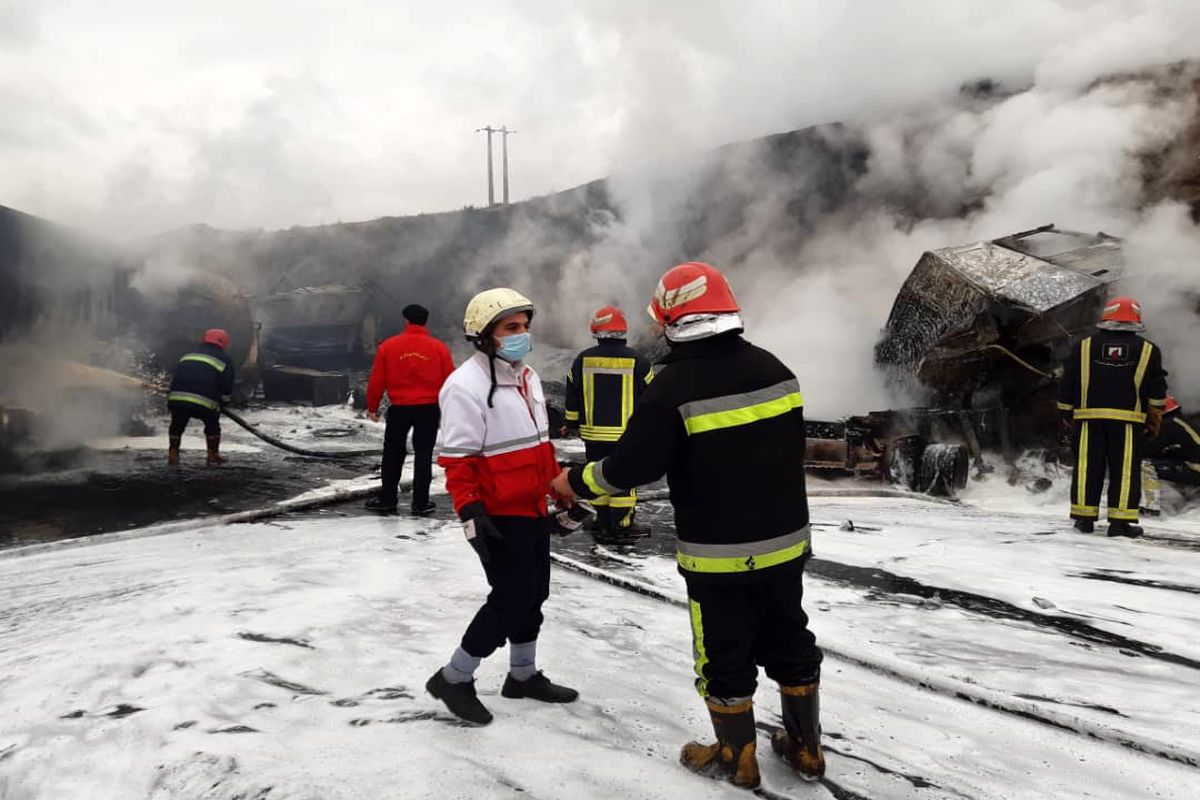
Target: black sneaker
1120,527
538,687
1085,525
460,698
423,511
380,506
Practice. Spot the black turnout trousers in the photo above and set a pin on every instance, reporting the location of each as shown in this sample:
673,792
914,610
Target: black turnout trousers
1113,447
423,421
746,621
182,412
519,574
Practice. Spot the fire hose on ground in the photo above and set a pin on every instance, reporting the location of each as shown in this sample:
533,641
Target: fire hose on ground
274,441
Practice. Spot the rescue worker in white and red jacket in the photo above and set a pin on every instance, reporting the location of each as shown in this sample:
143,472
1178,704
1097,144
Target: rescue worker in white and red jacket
499,462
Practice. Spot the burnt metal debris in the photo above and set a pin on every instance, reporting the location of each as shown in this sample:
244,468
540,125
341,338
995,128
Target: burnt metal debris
979,333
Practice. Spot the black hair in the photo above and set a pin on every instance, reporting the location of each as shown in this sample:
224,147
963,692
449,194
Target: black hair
417,315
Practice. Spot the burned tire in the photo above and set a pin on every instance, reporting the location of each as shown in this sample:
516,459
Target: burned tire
944,469
902,467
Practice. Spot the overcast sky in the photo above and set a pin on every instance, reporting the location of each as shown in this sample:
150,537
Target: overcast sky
133,116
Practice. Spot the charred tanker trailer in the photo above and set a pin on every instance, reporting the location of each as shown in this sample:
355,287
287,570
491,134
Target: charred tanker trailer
980,331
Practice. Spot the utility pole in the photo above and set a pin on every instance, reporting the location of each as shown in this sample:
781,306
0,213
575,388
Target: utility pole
491,184
504,131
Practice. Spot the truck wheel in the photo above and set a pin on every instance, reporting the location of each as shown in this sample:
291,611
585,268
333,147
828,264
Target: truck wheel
903,462
944,469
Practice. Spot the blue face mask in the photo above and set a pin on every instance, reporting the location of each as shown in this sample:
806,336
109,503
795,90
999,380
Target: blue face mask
515,347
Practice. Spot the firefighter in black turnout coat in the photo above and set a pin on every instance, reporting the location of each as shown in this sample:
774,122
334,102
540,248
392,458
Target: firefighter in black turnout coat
603,388
1113,386
1179,443
203,381
723,420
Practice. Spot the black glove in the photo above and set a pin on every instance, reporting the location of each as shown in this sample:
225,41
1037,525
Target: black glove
478,528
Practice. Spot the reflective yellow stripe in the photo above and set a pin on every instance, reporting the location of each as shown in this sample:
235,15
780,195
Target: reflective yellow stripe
625,501
608,362
1128,515
1140,375
201,358
589,477
1081,468
1117,414
649,376
1126,472
572,416
600,501
699,655
195,399
1085,511
743,416
1188,429
1157,402
1065,406
598,433
589,396
740,563
626,398
1085,370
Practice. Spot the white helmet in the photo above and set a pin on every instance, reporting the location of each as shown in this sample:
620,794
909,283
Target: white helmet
488,308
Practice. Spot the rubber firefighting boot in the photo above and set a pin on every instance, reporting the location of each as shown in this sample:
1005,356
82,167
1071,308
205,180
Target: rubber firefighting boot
1085,525
173,443
1122,527
214,449
732,757
799,743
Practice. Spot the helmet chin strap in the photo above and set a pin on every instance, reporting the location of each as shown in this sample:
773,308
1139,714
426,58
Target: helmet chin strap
702,326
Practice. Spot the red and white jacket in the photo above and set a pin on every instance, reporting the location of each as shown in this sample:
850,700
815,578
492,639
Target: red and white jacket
500,455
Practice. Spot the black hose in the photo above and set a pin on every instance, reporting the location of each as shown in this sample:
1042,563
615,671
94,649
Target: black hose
291,448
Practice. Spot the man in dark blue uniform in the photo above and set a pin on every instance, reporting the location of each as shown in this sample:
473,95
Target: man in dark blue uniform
203,381
1113,386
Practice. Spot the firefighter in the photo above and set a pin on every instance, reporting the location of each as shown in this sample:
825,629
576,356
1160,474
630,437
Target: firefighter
1113,386
603,387
499,462
723,420
411,367
1178,442
203,381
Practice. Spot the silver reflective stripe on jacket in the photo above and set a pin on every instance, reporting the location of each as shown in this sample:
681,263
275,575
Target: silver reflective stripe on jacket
732,402
744,549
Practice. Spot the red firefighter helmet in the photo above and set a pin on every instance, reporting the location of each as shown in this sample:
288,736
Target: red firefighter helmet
1122,309
1172,404
692,288
216,336
609,321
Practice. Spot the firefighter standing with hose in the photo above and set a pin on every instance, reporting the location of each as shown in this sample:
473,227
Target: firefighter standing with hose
499,462
723,420
603,388
1113,386
203,381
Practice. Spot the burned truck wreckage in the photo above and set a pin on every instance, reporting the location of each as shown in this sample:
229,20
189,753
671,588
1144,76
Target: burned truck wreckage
979,331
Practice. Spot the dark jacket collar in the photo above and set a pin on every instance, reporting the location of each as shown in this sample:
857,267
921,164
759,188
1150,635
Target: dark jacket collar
714,345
